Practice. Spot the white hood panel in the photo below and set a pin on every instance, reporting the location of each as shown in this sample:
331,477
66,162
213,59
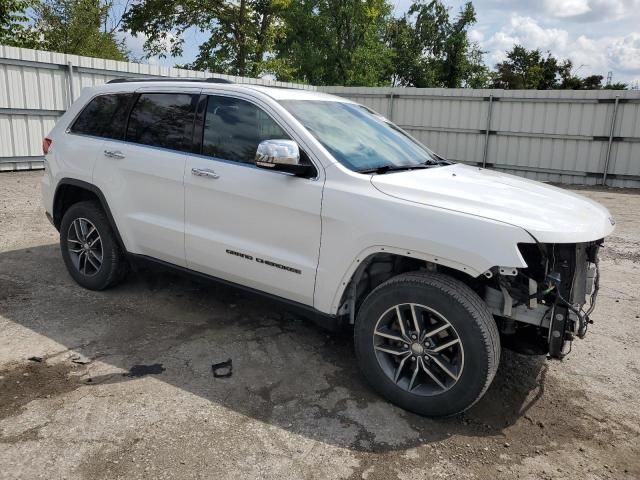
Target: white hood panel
550,214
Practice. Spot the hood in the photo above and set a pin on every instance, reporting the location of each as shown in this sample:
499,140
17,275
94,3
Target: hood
550,214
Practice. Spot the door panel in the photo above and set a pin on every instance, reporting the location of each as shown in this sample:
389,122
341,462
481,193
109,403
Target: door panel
254,227
142,177
244,224
105,116
145,192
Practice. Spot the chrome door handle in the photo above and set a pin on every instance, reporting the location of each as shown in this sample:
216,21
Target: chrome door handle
114,154
204,172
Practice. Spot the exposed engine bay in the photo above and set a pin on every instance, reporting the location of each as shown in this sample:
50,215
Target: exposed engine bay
542,308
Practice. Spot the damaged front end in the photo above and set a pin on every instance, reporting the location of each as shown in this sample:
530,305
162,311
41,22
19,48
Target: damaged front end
540,309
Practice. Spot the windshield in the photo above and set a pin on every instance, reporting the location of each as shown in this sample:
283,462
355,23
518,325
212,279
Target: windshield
357,137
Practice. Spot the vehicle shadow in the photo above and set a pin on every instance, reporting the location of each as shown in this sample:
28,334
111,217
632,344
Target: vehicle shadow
286,371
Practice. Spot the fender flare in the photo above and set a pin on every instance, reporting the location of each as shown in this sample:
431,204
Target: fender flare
101,198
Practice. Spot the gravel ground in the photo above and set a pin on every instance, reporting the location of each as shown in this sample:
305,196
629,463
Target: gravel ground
124,388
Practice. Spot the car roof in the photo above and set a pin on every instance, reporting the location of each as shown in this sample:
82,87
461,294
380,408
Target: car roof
276,93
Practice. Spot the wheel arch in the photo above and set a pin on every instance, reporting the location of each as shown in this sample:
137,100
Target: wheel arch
70,191
403,261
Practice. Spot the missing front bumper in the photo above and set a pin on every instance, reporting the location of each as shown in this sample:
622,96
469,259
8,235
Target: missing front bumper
548,299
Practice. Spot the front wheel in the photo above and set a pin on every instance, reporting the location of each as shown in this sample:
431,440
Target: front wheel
427,343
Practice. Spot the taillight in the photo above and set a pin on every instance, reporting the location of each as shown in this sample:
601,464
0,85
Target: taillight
46,145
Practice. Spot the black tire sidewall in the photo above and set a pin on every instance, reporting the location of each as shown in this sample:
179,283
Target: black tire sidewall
476,354
110,249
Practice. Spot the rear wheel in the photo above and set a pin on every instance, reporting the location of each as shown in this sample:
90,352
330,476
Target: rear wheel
427,343
89,247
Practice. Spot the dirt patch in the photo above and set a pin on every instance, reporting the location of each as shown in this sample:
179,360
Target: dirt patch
12,290
26,382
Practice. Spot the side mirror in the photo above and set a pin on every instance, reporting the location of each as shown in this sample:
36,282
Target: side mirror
281,155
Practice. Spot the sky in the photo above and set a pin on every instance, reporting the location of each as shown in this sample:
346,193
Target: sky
598,36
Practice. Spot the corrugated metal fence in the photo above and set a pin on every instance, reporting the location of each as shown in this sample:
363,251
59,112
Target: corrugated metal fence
36,87
565,136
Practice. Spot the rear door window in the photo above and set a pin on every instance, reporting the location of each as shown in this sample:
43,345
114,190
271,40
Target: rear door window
104,116
162,120
233,128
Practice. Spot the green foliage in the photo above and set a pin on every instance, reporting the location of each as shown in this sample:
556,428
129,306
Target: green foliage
616,86
592,82
477,73
14,29
530,69
76,27
241,32
432,49
527,69
66,26
336,42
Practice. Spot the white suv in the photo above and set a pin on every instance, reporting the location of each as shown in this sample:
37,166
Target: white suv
327,205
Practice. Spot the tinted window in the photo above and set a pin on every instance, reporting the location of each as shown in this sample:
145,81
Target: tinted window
104,116
233,129
162,120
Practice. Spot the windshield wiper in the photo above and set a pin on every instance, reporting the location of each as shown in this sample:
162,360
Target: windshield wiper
430,163
393,168
441,160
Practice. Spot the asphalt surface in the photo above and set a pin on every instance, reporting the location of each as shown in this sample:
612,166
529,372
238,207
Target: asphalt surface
121,382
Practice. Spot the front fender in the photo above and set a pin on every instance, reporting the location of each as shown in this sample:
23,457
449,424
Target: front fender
472,270
361,221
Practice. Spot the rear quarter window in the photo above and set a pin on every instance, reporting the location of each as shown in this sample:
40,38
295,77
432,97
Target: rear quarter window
162,120
104,116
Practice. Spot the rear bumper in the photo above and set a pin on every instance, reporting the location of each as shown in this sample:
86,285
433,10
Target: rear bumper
46,195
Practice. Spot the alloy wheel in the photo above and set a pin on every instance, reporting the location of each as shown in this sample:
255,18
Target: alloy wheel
418,349
85,246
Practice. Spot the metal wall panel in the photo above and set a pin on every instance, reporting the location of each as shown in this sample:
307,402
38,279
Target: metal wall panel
557,135
36,87
554,135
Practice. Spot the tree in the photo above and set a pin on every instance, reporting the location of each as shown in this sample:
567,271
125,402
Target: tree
405,52
456,47
477,75
14,29
336,42
241,32
592,82
432,49
568,81
616,86
527,69
530,69
76,27
324,42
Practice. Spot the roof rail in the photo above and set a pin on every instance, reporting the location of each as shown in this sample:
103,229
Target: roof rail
168,79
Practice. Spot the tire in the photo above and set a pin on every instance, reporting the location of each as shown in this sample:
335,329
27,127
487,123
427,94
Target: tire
437,300
83,263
